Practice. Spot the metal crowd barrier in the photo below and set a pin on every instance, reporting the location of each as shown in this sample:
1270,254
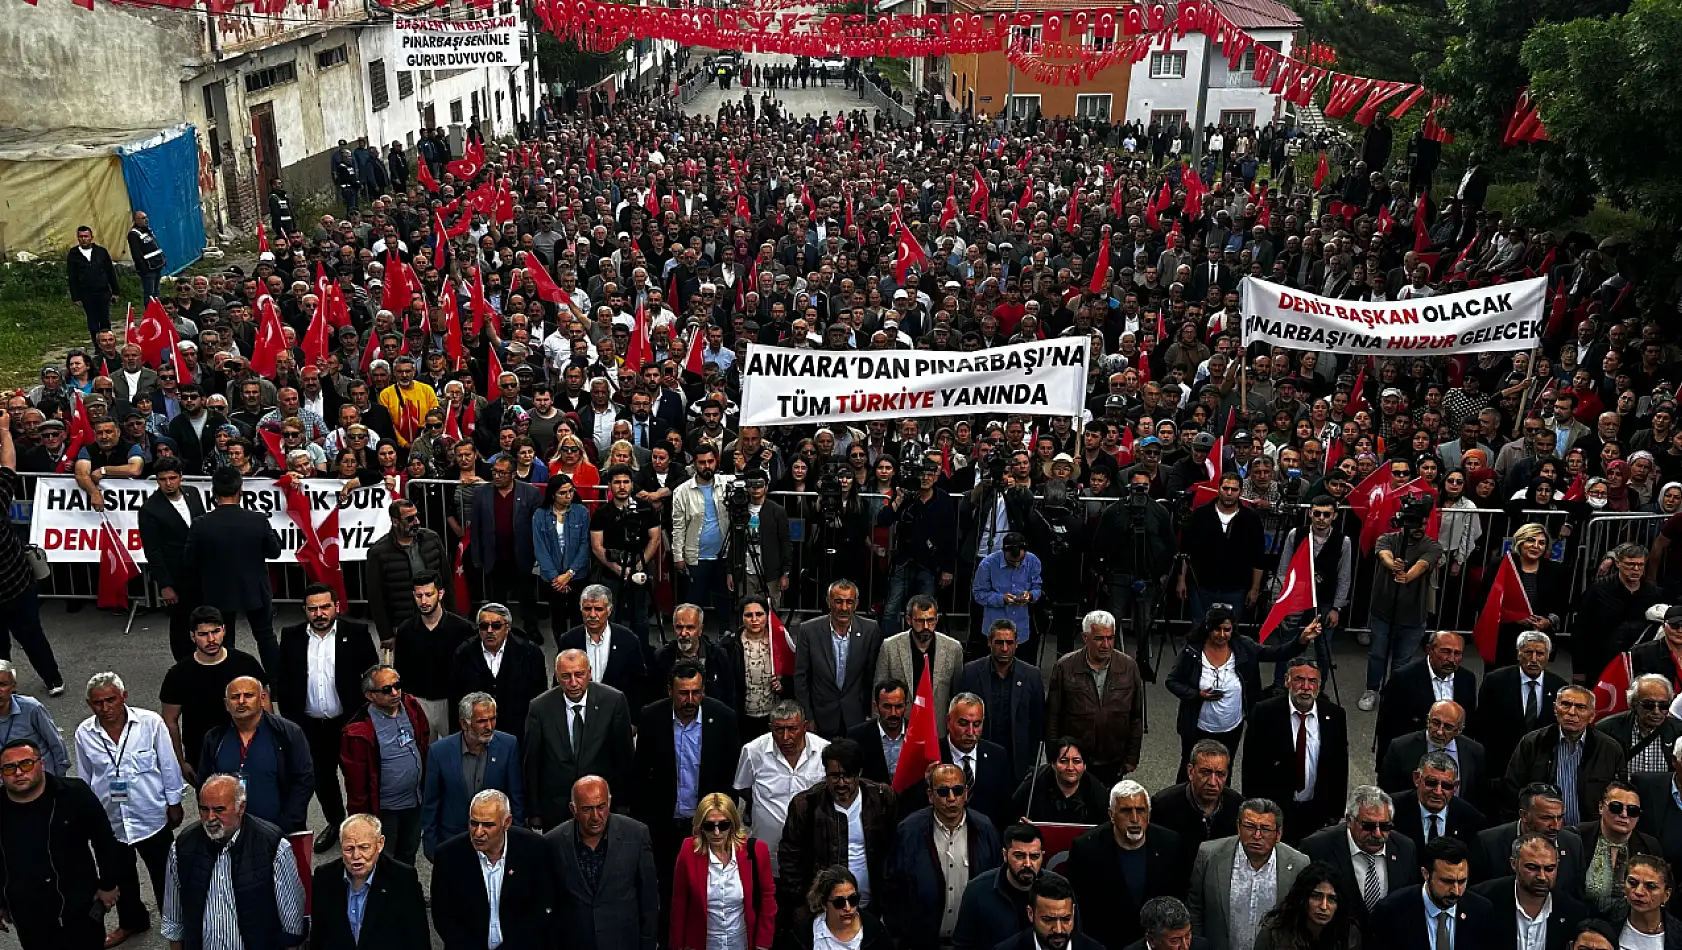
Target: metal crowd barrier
881,100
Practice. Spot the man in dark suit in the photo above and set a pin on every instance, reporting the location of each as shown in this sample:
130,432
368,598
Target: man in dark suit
1460,920
1296,752
1431,808
500,522
165,518
1203,807
617,907
578,728
1530,888
884,733
1112,903
525,899
494,760
1015,695
1409,695
687,748
1541,755
836,696
626,667
1541,812
1442,733
986,773
1212,272
919,903
1051,918
1388,862
326,648
93,280
1506,710
393,912
508,667
227,557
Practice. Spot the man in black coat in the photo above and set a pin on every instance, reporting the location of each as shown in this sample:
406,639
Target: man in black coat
1051,918
1407,917
1311,794
1203,807
1539,812
1388,859
1408,696
1442,733
1430,808
78,868
393,915
93,280
890,702
194,428
985,764
509,667
1531,886
227,556
460,903
322,716
1112,899
687,730
1505,710
165,519
390,572
1538,757
1019,726
1646,732
620,908
626,669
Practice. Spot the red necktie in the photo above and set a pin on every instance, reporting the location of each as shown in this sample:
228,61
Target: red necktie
1302,751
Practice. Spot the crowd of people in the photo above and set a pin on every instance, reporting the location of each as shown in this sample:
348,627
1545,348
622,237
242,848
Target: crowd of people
697,791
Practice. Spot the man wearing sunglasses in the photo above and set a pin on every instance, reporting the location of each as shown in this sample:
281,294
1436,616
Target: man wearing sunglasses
937,852
53,890
1370,861
1646,731
383,749
1433,807
510,668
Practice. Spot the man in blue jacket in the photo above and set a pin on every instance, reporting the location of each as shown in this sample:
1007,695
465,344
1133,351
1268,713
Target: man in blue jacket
461,766
938,852
1007,582
267,753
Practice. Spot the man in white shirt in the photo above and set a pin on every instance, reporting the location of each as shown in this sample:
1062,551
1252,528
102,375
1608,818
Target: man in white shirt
126,756
776,767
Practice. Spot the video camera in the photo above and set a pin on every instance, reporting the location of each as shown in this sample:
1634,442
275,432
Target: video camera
1415,511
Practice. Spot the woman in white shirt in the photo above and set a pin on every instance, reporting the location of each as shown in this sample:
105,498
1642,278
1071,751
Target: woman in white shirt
840,924
723,897
1649,926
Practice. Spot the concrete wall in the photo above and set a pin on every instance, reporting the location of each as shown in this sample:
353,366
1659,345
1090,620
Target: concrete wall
112,67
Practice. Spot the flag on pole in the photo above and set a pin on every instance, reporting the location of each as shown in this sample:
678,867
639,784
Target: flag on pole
1297,593
922,739
1421,233
1321,172
782,648
130,332
1611,693
459,576
116,567
271,338
1507,603
262,237
1101,270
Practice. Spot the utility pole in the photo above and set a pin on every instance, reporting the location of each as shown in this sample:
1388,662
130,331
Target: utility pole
1010,88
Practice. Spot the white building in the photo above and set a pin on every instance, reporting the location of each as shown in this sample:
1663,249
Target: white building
1189,83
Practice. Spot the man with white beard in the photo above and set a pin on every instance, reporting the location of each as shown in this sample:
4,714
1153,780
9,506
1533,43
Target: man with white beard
230,853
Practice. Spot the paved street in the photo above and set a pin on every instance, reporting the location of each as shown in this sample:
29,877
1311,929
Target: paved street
798,103
89,641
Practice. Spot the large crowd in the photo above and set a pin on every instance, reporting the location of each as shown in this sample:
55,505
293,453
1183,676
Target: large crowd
674,777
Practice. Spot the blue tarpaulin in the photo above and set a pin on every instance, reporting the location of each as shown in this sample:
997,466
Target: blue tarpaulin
162,174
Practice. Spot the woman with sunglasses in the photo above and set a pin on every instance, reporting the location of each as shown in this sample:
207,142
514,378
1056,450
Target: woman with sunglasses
723,897
560,532
569,461
840,924
1648,925
1312,916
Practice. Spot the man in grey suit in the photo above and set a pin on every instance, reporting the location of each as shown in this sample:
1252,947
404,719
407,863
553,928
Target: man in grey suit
618,907
835,663
905,655
578,728
227,554
1218,891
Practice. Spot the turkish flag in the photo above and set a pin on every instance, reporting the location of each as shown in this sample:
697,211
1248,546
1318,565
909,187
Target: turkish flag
1101,271
423,174
460,574
154,334
640,351
271,337
980,195
1321,171
262,237
922,739
908,250
1507,603
1358,393
782,648
319,339
1421,235
481,307
453,347
470,164
547,289
116,567
394,294
1296,594
949,213
1611,693
131,334
1385,222
493,369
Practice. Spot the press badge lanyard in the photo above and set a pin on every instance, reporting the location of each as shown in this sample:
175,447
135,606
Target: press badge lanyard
119,787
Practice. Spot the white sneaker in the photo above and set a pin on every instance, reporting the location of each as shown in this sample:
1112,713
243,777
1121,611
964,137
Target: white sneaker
1364,638
1369,699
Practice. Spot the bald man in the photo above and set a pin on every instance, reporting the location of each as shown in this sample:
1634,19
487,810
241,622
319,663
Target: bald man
268,753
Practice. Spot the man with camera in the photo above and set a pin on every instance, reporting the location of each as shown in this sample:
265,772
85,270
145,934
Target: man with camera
762,527
1136,541
925,549
624,536
1401,594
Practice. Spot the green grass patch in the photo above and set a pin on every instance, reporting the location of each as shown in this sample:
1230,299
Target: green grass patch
37,317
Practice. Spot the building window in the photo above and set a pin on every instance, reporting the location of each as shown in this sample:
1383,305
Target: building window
1169,121
1239,118
505,8
1025,38
260,79
1093,106
1168,65
405,84
1024,107
455,111
377,91
328,58
499,106
1100,41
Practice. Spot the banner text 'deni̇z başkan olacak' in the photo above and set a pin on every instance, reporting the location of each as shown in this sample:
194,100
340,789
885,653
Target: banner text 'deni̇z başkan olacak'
1499,317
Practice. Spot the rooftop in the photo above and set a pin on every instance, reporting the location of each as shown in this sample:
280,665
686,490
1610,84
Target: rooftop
1259,14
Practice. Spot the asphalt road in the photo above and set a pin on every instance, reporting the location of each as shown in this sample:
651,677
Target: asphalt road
796,103
90,641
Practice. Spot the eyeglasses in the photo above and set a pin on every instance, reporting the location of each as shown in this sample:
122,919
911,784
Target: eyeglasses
1619,808
391,690
20,767
1376,826
1653,705
845,901
715,827
1445,784
950,791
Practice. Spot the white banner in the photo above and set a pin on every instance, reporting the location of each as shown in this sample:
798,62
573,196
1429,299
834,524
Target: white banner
781,385
67,527
434,43
1502,317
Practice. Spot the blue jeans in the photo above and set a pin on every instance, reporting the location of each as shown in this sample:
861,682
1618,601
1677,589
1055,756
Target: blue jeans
906,581
150,281
1200,599
20,617
1393,646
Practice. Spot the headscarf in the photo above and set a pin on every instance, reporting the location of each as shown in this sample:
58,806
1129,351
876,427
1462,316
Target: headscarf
1618,497
218,456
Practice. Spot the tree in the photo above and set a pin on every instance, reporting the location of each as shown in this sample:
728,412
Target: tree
1384,41
569,64
1611,98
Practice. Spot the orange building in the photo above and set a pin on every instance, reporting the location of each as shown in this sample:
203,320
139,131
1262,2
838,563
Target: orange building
981,82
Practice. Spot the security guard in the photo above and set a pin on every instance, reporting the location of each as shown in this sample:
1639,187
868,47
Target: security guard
146,255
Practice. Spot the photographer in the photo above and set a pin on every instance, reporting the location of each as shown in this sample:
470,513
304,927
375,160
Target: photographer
1057,533
1135,541
770,546
1401,595
838,533
700,525
925,546
624,538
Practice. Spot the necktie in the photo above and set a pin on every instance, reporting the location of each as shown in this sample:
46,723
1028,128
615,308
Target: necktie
1432,832
1444,940
1531,705
969,772
642,443
1302,751
577,725
1371,890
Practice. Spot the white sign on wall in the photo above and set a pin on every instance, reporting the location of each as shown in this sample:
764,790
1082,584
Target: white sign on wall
435,43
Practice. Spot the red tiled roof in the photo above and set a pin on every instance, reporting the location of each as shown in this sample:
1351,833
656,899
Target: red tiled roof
1027,6
1259,14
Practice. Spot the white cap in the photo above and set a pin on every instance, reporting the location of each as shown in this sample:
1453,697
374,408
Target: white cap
900,294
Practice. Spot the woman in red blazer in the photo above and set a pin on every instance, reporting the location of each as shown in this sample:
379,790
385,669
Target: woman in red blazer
740,912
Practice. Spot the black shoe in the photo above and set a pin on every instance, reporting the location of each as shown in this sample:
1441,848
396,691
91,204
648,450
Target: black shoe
326,838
